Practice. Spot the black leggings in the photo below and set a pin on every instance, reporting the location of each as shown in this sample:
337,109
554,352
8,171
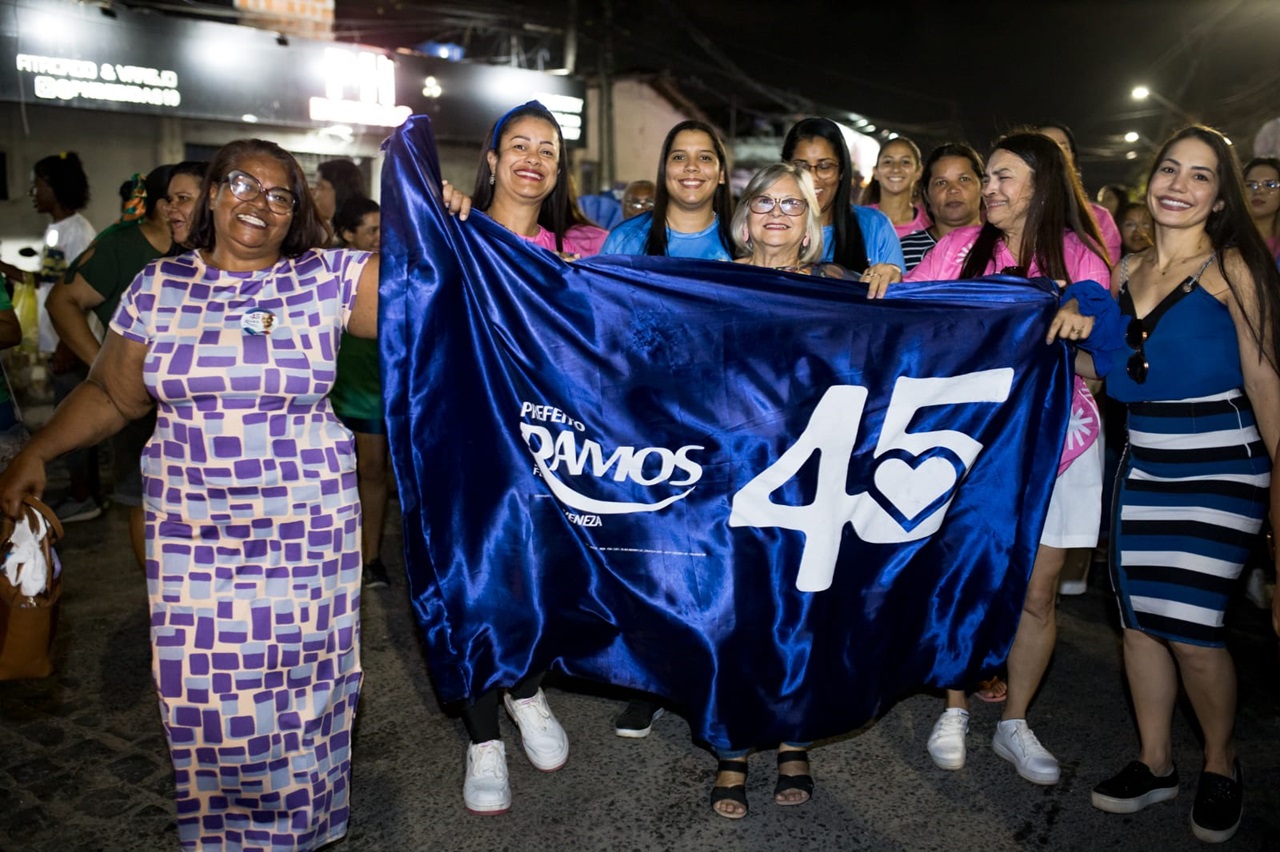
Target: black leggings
481,715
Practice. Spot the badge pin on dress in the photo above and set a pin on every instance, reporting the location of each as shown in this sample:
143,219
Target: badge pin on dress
257,322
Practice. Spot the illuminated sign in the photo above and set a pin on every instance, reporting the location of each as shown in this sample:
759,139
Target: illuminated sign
371,77
62,54
59,79
567,111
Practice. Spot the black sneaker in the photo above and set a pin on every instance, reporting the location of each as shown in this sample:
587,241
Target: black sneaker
1219,805
637,720
374,574
1133,789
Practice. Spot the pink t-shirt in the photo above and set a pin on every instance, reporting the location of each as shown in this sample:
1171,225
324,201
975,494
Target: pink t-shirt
582,240
944,262
919,223
1110,233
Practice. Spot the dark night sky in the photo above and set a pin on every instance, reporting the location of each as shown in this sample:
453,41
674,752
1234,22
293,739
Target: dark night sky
931,70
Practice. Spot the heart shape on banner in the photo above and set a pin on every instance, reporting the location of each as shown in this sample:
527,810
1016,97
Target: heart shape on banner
911,488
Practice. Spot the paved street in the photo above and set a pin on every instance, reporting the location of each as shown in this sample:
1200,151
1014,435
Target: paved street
83,764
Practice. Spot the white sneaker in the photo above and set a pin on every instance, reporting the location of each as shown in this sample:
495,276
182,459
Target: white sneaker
543,739
1015,742
946,743
486,789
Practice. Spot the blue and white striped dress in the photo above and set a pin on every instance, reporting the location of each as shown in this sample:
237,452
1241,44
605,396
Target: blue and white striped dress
1193,487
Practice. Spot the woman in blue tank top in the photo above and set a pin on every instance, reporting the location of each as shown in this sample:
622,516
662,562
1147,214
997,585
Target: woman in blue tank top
1199,378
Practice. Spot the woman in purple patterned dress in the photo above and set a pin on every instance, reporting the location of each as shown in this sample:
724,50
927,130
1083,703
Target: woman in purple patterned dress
252,519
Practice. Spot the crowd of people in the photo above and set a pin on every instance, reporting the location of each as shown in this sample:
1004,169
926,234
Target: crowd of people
236,370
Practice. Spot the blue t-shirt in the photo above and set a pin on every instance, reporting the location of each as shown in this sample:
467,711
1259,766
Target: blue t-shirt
630,238
878,235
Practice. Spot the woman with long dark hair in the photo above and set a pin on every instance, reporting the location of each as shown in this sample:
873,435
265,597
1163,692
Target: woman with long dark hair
1200,376
895,186
181,198
860,239
1037,226
523,183
1061,133
691,196
337,182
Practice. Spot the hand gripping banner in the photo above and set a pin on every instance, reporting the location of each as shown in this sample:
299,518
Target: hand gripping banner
760,495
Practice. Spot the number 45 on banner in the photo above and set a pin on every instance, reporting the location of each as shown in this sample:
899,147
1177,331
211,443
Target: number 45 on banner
915,478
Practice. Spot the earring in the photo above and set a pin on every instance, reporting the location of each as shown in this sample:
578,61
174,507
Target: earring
805,241
490,180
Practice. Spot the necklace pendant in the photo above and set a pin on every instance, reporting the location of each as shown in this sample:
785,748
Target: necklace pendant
1187,285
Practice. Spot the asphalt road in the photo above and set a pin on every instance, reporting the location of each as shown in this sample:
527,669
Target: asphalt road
83,764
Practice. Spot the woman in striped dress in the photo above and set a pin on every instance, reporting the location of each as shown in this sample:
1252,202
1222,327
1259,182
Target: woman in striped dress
1199,378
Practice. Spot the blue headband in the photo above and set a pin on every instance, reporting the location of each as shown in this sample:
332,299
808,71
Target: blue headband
535,104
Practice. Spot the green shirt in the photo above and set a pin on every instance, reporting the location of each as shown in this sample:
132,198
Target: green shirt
357,392
111,263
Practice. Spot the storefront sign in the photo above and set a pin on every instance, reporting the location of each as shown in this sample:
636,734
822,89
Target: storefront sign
58,79
58,52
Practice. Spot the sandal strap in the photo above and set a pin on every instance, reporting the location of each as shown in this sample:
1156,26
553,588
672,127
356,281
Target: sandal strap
793,756
794,782
733,764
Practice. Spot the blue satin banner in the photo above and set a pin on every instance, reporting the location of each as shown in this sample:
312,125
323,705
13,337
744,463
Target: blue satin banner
761,495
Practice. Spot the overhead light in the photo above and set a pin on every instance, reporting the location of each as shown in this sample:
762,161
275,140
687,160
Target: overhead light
249,118
868,128
1132,155
442,50
1140,93
1132,136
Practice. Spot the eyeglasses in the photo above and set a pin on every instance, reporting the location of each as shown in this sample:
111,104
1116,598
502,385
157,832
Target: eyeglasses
1262,185
1136,337
790,206
823,168
638,204
246,187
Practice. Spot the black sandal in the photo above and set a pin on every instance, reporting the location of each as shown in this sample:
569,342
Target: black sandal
793,782
737,793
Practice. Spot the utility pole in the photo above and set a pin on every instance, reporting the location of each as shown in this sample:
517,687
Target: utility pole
606,99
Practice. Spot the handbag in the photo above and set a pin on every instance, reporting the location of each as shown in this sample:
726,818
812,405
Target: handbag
30,592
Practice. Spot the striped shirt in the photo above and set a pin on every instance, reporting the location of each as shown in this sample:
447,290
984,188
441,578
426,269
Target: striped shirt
914,247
